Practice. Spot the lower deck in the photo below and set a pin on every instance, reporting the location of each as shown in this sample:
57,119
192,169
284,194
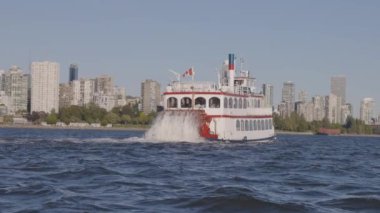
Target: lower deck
242,129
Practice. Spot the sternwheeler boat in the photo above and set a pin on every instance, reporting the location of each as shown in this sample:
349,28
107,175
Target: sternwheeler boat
229,110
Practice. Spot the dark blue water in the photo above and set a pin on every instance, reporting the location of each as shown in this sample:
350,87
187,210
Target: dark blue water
116,171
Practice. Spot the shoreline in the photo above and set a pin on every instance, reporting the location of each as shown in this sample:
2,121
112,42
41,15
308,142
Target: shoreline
280,132
20,126
277,132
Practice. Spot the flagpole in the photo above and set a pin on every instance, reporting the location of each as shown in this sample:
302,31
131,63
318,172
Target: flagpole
193,73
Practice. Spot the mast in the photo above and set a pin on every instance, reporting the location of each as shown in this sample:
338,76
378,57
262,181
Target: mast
231,69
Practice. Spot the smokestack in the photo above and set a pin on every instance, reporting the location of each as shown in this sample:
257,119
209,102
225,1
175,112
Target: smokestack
231,68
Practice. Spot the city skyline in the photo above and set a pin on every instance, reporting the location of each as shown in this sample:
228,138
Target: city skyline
136,41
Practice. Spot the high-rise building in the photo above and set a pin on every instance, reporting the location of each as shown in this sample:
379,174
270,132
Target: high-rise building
151,96
120,96
87,90
288,97
5,103
73,72
2,80
366,110
15,85
333,108
319,108
44,86
104,92
305,109
346,111
104,85
268,94
65,95
303,96
76,93
338,87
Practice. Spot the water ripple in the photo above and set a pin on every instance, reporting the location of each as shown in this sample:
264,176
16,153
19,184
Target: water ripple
118,171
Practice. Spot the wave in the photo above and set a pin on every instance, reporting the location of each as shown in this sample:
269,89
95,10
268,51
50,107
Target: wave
119,140
83,173
230,199
363,204
27,188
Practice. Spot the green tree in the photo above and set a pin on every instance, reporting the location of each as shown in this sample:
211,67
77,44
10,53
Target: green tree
8,119
126,119
110,118
52,118
143,118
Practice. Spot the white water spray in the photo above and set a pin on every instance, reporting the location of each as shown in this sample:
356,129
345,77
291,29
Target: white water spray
175,126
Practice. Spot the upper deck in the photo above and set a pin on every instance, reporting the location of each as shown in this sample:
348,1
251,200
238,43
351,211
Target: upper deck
231,95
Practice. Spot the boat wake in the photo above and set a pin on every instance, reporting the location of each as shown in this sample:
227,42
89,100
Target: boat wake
175,126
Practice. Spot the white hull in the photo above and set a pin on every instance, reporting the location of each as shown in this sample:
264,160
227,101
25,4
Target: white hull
227,111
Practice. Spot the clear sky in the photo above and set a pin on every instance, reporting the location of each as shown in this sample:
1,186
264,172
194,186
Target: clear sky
299,40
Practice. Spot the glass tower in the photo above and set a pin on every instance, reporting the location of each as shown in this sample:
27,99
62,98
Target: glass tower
73,75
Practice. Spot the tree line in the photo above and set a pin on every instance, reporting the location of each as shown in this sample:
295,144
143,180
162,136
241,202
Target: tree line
91,113
298,123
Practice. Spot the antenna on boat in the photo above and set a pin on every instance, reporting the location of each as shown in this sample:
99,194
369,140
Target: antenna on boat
176,74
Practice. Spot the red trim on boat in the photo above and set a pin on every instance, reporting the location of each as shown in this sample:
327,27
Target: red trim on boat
240,116
209,93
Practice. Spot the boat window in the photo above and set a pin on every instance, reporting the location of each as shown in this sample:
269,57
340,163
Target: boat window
200,103
172,102
214,102
225,103
245,103
238,125
270,123
254,125
242,125
250,125
262,125
266,124
235,103
254,103
186,102
240,103
230,103
258,103
258,125
246,125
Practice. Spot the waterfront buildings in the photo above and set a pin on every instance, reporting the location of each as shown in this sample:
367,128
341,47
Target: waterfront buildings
151,96
305,109
73,72
318,108
2,80
303,96
83,91
104,95
104,84
65,95
120,96
15,87
366,110
338,87
288,99
98,91
268,94
44,86
346,112
333,108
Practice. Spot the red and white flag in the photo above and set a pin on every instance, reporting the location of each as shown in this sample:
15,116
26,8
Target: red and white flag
189,72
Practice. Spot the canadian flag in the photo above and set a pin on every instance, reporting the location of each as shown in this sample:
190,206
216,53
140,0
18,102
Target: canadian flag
189,72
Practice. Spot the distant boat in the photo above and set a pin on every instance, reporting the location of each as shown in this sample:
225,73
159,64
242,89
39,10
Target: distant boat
328,131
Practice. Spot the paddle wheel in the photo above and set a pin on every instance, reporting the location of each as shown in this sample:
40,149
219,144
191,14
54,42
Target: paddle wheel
204,129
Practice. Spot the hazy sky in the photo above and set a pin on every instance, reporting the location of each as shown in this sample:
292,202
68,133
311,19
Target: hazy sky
303,41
